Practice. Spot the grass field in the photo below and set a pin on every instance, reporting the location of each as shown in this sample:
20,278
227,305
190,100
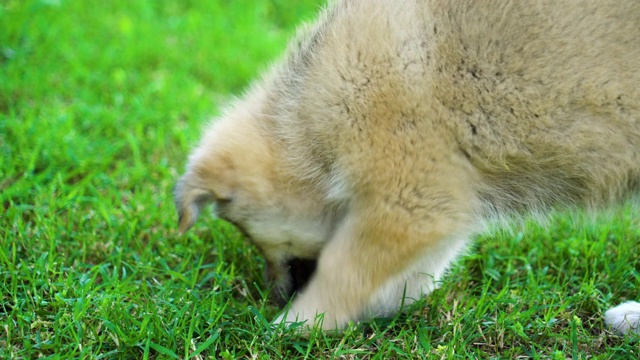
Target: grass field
100,103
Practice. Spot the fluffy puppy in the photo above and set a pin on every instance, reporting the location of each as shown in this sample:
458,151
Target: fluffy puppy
393,130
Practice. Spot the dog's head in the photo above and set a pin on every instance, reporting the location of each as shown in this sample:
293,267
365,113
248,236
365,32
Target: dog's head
236,169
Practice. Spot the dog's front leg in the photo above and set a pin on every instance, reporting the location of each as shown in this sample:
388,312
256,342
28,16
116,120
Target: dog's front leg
376,245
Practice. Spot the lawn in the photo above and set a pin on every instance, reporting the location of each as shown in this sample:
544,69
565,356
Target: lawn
100,103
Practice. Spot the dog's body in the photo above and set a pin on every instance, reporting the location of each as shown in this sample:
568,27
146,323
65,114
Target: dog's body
395,129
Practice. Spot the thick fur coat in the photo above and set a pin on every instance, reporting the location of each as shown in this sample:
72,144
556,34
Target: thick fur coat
393,130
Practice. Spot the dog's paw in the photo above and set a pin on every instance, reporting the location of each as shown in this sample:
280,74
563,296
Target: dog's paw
293,323
305,319
624,318
300,320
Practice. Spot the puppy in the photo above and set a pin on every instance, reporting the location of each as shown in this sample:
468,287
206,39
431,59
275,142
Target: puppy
393,130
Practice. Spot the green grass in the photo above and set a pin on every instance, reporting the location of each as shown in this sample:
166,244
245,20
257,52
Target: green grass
100,103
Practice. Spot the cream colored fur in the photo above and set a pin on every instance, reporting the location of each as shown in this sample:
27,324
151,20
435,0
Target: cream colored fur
394,130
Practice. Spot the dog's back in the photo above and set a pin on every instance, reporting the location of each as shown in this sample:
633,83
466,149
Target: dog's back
543,97
546,97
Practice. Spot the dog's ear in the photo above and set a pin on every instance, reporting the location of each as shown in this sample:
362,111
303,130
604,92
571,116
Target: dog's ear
189,200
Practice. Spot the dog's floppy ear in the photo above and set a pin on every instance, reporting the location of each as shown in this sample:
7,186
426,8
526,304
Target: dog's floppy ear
189,200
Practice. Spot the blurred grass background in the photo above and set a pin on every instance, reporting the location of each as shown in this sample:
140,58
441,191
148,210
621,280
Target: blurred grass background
100,103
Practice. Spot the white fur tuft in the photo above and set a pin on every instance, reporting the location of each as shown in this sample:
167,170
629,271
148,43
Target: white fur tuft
624,318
